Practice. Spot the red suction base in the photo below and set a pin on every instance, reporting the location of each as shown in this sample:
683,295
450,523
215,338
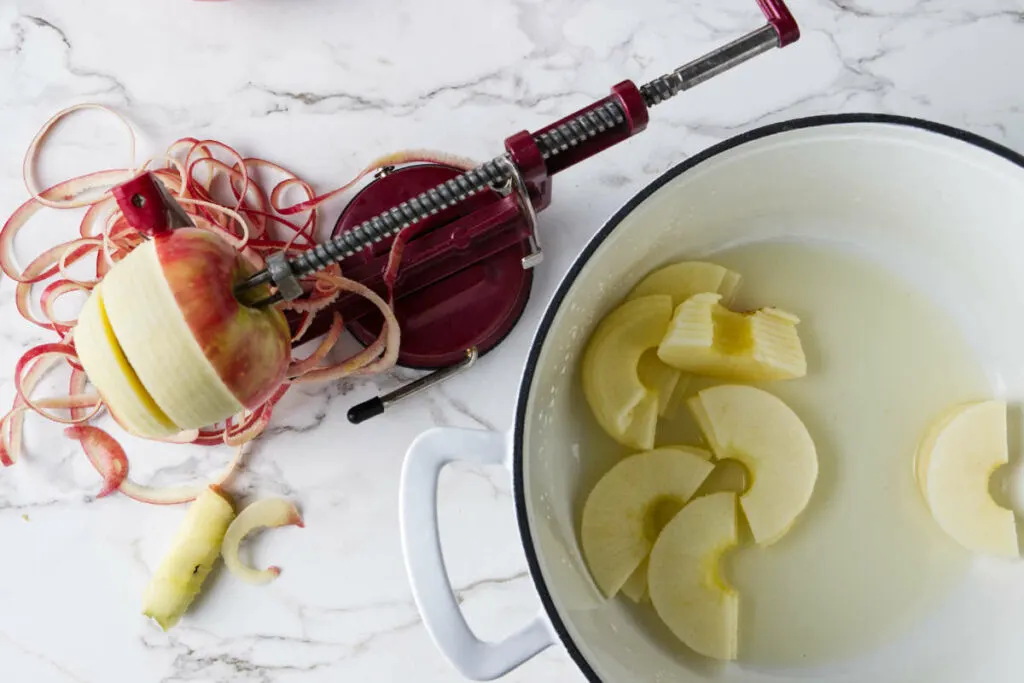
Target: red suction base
484,289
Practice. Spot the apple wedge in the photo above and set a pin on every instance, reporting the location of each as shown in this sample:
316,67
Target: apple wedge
264,513
955,462
761,432
611,382
706,338
630,504
680,281
685,583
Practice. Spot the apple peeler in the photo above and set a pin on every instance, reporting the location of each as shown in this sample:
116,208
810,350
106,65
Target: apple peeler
467,270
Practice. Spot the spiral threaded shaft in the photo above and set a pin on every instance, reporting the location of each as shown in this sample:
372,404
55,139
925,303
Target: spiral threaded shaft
580,128
494,172
661,89
390,222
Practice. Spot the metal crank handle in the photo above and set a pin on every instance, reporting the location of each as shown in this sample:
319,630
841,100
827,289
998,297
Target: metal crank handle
556,147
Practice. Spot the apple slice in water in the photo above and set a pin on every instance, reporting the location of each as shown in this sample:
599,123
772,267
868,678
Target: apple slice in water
635,587
611,382
686,278
954,464
630,504
680,281
760,431
705,338
685,582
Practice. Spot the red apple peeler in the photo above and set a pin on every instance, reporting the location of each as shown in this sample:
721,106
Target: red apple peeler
467,270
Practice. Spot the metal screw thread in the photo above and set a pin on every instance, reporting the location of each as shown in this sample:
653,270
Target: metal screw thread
408,212
580,128
569,134
661,89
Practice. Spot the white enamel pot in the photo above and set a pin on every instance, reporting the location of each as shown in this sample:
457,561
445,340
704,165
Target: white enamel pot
946,206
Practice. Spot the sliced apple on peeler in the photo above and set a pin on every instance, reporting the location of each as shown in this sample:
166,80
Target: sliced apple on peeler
169,347
629,506
760,431
685,581
706,338
624,407
954,464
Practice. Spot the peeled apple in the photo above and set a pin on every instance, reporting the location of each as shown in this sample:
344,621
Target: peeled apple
180,576
169,347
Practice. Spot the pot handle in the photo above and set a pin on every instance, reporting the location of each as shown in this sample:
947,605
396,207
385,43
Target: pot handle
421,545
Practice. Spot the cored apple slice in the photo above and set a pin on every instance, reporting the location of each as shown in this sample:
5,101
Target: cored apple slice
199,353
685,582
955,463
706,338
611,382
114,378
761,432
686,278
630,504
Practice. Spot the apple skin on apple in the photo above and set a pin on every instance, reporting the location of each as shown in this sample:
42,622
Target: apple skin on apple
249,348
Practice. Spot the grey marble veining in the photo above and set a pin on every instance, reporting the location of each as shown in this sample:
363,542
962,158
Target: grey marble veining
323,86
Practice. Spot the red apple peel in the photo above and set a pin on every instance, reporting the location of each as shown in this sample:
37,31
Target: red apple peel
249,202
105,454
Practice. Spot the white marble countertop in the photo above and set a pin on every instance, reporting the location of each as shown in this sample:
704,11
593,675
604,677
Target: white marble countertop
322,86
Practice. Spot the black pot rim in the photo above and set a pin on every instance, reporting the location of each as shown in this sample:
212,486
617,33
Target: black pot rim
610,225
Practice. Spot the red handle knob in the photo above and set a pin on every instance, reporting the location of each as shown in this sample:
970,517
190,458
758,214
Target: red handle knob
781,19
